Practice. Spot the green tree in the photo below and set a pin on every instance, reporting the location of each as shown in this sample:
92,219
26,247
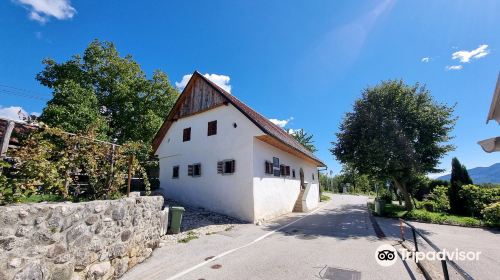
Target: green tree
305,139
75,109
132,105
459,178
396,132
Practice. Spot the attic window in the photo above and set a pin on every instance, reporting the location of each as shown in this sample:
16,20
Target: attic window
194,170
226,166
212,128
186,134
175,172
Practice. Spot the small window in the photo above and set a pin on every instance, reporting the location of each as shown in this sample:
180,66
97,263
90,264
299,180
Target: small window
212,128
287,170
313,176
194,170
186,134
269,167
226,166
282,170
293,173
175,172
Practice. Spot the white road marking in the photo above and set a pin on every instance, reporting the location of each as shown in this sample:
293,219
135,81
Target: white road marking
182,273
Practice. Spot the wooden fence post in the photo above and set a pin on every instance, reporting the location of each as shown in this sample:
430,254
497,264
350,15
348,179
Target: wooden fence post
4,142
130,162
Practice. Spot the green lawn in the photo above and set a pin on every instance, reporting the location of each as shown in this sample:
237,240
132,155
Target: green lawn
422,215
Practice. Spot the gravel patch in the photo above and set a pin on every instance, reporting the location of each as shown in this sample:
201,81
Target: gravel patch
197,222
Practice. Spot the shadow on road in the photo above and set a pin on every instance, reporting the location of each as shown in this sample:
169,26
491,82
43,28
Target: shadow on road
349,221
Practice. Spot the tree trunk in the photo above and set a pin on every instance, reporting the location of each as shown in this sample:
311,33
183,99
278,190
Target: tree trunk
402,188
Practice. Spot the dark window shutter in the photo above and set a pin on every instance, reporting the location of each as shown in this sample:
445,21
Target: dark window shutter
282,170
293,173
186,134
197,170
190,170
175,172
287,170
220,166
233,166
212,128
269,167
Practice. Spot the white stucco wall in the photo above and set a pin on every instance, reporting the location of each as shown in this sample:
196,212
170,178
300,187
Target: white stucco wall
310,199
274,196
227,194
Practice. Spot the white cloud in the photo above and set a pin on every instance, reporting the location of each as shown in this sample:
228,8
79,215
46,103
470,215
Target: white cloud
466,56
220,80
281,123
42,10
425,59
454,67
13,113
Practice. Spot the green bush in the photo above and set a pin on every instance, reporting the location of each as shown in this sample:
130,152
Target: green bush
428,205
439,198
491,214
385,195
477,198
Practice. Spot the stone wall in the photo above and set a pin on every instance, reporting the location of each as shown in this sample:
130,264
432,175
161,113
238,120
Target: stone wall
90,240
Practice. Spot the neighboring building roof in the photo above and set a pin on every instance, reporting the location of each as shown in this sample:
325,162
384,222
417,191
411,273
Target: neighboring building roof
284,140
494,113
490,145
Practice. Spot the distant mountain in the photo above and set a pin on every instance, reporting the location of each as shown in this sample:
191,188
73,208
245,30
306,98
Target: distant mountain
481,175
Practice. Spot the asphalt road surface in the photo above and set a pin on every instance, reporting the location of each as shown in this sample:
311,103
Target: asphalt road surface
483,240
336,241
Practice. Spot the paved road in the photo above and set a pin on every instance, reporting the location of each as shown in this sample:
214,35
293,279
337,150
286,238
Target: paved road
338,235
451,238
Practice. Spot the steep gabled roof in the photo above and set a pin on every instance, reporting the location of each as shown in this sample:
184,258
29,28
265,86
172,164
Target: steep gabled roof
275,132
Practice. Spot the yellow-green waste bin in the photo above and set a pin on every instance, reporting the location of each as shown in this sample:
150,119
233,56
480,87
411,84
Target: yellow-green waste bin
175,224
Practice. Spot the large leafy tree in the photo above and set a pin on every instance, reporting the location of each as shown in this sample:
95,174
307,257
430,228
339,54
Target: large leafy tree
459,177
305,139
396,132
132,106
75,109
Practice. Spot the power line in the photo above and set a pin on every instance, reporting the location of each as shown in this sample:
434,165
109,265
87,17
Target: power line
19,94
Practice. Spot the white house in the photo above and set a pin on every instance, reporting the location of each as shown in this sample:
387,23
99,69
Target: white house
217,153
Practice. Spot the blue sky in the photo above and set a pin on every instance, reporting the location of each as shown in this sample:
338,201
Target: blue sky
304,62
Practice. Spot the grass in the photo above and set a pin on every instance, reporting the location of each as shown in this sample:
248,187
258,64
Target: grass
422,215
324,197
41,198
190,236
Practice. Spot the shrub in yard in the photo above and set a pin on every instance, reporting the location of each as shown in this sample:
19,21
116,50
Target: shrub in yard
428,205
439,198
491,214
476,198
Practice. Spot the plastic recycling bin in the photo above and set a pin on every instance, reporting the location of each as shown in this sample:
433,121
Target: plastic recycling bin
175,224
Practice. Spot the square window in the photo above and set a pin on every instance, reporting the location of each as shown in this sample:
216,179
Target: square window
212,128
226,166
175,172
194,170
186,134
